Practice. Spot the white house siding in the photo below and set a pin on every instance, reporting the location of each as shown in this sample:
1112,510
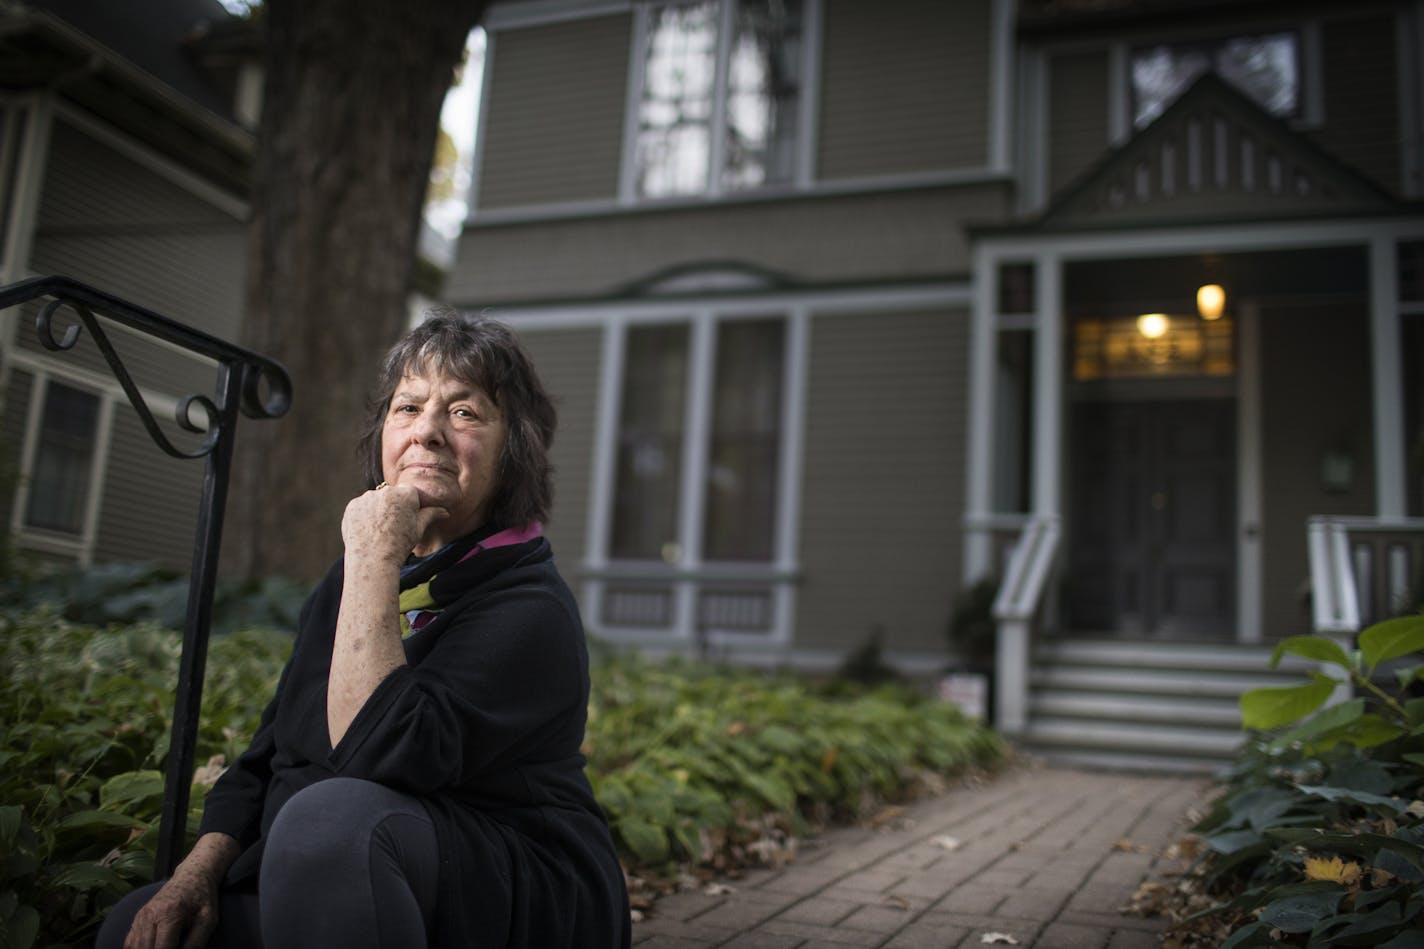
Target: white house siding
1361,108
568,362
121,225
1077,93
1315,393
904,87
883,479
910,234
554,129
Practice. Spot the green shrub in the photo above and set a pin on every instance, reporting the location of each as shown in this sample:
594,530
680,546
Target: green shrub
694,765
87,715
1319,838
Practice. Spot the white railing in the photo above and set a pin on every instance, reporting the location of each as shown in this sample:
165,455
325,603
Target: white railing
1362,569
1020,594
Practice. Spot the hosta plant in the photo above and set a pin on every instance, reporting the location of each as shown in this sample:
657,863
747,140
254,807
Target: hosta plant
1319,838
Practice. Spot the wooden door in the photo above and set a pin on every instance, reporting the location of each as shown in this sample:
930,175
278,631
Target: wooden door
1151,545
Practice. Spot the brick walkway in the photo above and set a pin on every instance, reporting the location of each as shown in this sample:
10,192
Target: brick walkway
1045,855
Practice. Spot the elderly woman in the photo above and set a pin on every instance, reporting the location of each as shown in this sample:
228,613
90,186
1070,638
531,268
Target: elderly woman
417,779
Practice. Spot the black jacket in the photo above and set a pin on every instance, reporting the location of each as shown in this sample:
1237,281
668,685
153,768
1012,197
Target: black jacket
485,725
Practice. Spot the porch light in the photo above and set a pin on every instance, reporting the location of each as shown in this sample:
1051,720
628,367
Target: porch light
1152,325
1211,301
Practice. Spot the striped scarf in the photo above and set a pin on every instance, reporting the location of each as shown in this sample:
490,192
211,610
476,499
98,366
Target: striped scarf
418,605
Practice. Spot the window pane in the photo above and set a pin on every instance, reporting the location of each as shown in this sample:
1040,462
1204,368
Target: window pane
674,119
645,504
59,482
762,92
1263,67
742,464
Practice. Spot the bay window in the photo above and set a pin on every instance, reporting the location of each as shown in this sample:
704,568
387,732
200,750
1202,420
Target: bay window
697,537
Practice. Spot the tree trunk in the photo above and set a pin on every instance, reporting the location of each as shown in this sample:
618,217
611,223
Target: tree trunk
349,122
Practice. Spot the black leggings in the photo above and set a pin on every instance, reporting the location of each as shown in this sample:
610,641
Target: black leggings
348,864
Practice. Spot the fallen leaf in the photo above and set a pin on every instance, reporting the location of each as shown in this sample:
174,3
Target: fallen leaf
637,915
718,889
1415,809
1332,869
897,901
1000,939
946,842
1380,878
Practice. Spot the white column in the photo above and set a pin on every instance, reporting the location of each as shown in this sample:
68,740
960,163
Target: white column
1249,519
1387,376
1048,385
979,449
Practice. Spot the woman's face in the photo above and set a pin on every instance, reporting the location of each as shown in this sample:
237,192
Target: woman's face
444,437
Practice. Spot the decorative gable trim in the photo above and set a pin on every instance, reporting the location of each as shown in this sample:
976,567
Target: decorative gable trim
1214,156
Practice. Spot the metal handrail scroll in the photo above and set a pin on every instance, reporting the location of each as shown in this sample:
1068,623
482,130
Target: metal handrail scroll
254,385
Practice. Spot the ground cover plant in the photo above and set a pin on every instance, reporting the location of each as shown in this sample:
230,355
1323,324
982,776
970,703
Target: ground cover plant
697,767
1318,838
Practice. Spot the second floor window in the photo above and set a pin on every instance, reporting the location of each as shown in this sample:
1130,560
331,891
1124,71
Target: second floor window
1266,68
720,101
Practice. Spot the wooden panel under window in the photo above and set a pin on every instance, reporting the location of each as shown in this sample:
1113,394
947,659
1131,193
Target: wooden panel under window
554,129
904,91
1362,95
1077,115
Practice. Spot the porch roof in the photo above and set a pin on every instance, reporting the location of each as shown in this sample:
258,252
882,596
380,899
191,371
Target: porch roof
1213,157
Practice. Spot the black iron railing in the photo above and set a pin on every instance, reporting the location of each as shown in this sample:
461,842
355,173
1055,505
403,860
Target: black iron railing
254,385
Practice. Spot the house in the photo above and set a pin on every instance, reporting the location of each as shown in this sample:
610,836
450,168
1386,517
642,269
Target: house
124,156
851,305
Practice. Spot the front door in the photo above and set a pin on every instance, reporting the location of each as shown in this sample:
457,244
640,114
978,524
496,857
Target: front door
1152,547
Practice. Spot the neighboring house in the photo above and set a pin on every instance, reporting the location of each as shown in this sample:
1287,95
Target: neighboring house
841,297
123,164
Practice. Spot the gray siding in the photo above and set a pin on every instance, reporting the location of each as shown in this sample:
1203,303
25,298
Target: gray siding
110,222
1315,397
903,87
554,130
568,362
114,223
893,235
883,486
1362,95
1077,115
149,509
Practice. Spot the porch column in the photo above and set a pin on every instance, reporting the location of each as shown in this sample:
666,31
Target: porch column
1048,386
1387,376
979,448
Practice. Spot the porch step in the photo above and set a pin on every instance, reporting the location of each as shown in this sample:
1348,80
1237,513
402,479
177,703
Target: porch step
1153,706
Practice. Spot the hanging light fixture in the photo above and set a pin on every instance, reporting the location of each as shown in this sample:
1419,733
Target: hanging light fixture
1152,325
1211,301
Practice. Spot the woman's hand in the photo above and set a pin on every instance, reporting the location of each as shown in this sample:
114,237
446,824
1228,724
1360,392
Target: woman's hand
184,912
386,523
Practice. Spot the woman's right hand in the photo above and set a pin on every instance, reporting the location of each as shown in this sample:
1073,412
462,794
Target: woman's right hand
184,911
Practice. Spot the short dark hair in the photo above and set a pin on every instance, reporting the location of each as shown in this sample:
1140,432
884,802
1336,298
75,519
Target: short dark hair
486,354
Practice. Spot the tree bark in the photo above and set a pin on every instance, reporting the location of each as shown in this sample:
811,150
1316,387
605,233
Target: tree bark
350,116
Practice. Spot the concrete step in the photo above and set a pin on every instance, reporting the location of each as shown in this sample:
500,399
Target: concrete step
1183,742
1177,683
1221,712
1224,657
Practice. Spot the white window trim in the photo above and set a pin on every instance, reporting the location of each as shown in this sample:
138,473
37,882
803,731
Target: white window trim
691,572
807,105
80,547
